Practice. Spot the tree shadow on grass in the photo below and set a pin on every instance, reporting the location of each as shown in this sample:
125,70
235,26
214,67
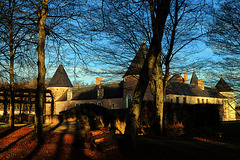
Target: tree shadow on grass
40,145
77,149
10,130
60,145
55,127
34,152
13,143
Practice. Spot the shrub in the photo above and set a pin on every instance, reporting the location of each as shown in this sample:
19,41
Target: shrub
175,129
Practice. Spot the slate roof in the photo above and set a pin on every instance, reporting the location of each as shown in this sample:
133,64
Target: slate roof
222,86
111,90
60,78
194,79
137,63
191,90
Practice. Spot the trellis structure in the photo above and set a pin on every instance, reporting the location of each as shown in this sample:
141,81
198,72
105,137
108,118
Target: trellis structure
25,96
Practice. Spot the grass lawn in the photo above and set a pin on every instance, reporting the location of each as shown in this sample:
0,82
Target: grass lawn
19,144
2,124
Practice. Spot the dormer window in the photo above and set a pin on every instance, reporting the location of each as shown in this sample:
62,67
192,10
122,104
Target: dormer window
100,91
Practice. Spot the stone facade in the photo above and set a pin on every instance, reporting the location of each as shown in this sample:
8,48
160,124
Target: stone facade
118,95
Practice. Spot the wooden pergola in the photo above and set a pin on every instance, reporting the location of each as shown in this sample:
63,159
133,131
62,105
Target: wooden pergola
24,96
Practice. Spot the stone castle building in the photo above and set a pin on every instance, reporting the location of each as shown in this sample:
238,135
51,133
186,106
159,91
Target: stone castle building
118,95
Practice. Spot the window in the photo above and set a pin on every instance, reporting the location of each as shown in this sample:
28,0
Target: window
100,92
177,99
206,100
184,100
112,106
99,103
128,100
202,101
171,100
198,101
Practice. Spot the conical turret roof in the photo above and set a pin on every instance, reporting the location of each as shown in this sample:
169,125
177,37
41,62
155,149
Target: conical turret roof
137,62
60,78
222,86
176,78
194,79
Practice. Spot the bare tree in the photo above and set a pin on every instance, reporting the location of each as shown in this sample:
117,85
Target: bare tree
59,30
182,29
125,23
224,40
159,12
13,40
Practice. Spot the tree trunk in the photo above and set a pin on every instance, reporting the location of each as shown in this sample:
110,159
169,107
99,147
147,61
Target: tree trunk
29,108
146,73
41,71
159,102
5,106
159,15
20,112
10,23
20,109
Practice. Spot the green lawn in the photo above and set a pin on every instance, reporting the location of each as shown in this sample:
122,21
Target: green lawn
2,124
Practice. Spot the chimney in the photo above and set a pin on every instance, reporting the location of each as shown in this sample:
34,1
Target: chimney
186,78
98,80
201,84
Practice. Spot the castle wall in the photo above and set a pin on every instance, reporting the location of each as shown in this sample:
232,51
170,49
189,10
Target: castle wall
172,98
113,103
129,85
229,106
57,91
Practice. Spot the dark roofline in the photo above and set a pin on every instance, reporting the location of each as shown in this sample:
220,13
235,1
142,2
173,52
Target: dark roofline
222,86
137,63
60,78
194,79
177,88
111,90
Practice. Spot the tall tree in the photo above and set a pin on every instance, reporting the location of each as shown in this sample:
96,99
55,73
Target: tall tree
13,39
59,31
159,12
124,23
183,28
42,18
10,24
